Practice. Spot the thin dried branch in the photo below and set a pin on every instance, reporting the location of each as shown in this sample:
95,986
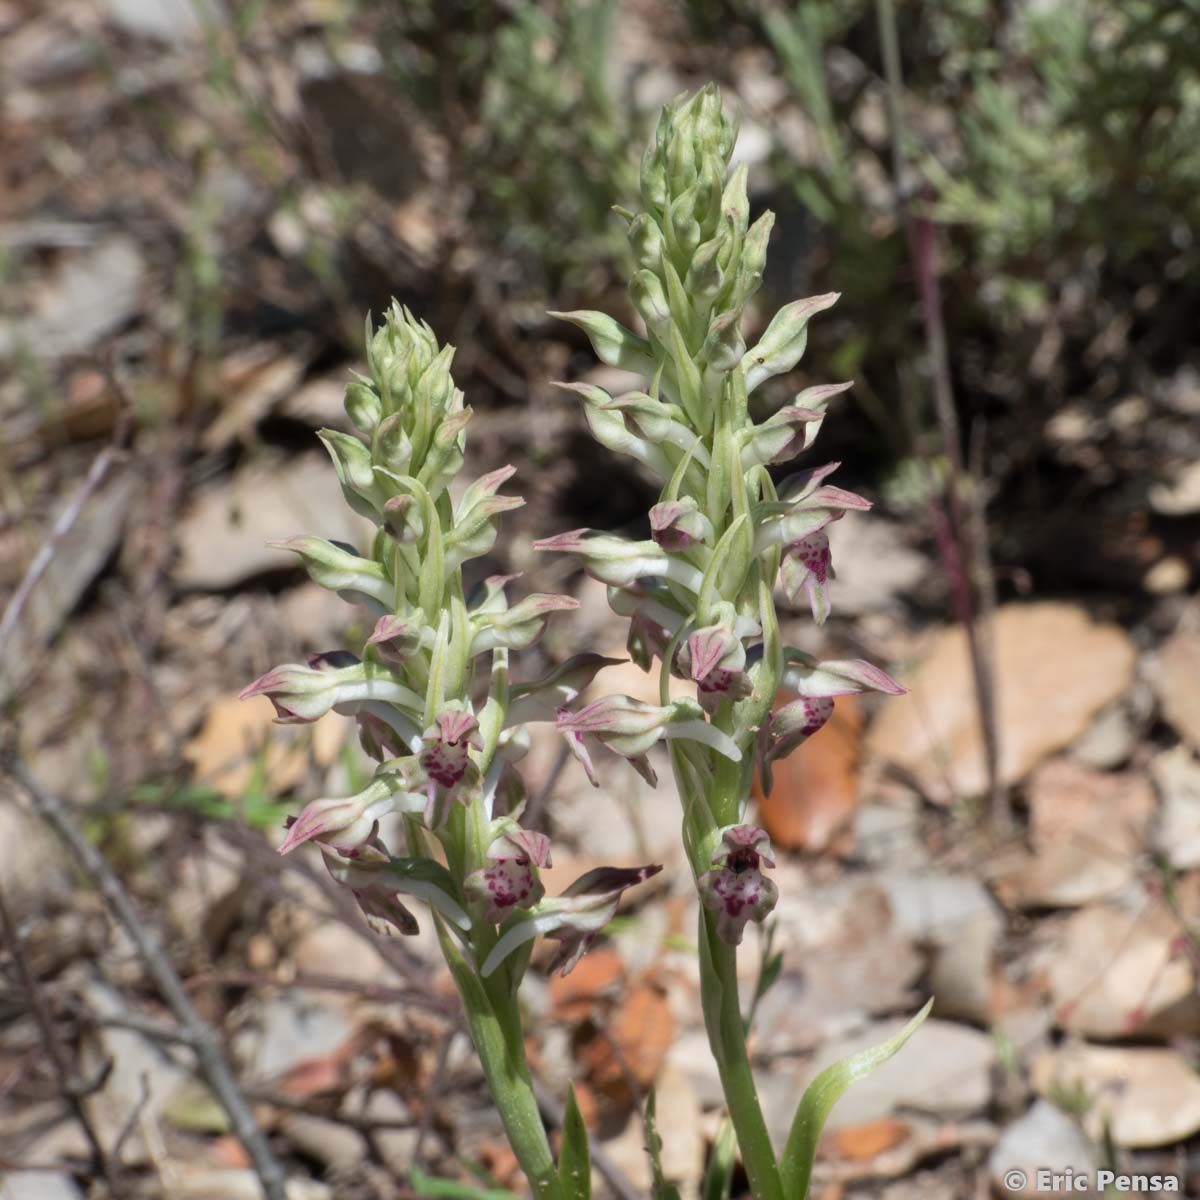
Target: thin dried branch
71,1086
62,526
210,1057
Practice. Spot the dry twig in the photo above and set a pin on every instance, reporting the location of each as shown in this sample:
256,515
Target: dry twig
62,526
70,1085
210,1057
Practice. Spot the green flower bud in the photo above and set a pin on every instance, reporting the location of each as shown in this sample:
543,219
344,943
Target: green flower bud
754,257
392,446
649,298
704,275
363,406
337,567
646,240
355,472
724,347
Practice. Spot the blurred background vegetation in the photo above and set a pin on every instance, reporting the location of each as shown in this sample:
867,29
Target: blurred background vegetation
282,168
200,200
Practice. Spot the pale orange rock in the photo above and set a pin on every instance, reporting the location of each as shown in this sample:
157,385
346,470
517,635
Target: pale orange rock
1118,973
626,1053
869,1140
1177,682
1054,667
225,753
1143,1097
814,791
597,975
1088,829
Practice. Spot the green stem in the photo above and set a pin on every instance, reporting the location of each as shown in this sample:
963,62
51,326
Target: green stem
495,1026
726,1036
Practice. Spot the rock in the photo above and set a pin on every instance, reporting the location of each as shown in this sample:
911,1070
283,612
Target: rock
38,1185
945,1071
333,948
80,557
889,834
93,294
928,906
222,538
320,403
1142,1097
206,897
956,918
1170,574
334,1145
39,870
316,618
628,1151
1176,679
397,1147
679,1123
1045,1137
1179,494
641,823
1176,774
1088,831
814,790
284,1031
935,1183
1117,973
251,393
890,1148
875,565
144,1078
1054,669
239,738
1108,741
234,1183
691,1058
845,954
173,22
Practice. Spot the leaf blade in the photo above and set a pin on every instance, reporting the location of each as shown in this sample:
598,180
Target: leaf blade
822,1094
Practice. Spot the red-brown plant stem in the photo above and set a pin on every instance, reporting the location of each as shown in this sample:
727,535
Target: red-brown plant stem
964,557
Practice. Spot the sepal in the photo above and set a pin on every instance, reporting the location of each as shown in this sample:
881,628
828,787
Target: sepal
343,824
783,343
337,567
619,562
614,345
574,919
377,880
520,626
336,680
805,676
398,636
355,472
540,699
678,525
